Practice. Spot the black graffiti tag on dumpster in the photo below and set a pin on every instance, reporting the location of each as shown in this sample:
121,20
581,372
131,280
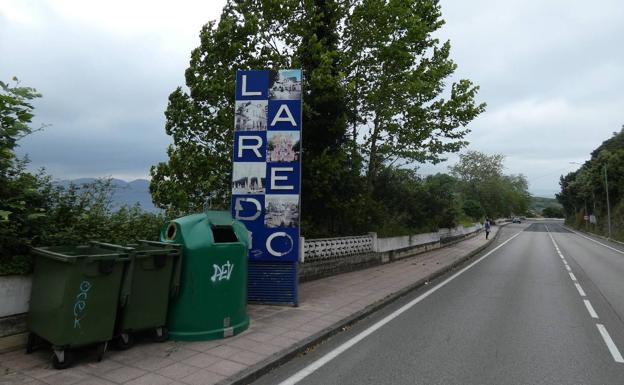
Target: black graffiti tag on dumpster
80,304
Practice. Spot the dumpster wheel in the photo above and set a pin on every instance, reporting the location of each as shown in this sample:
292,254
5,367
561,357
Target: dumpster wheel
124,341
62,359
161,334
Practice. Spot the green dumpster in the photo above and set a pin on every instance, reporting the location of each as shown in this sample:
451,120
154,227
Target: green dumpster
212,302
150,279
74,297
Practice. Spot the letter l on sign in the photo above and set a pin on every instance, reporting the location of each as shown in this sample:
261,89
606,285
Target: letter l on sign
244,91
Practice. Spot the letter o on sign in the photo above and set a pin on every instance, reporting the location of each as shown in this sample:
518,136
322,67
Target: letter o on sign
269,244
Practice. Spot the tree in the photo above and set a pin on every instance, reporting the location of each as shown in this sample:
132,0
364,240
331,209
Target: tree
396,72
552,212
482,181
20,198
200,120
473,209
367,64
584,192
16,113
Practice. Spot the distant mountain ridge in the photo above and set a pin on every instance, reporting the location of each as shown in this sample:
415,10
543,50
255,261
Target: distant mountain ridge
540,203
124,193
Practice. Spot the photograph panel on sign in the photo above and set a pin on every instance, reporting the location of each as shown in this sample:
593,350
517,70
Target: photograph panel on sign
285,85
281,211
248,178
283,146
251,115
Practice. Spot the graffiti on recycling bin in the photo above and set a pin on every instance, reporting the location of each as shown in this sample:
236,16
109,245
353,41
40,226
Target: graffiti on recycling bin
80,304
266,170
222,272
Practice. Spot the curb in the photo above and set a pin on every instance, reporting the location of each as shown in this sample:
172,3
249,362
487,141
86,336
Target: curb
263,367
593,234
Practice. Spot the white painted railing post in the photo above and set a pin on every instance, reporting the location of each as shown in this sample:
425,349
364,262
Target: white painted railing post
301,249
375,244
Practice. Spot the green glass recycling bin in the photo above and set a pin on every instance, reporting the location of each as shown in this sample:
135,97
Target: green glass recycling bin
74,297
152,276
212,302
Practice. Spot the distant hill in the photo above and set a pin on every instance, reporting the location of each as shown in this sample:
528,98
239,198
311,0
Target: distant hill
538,204
125,193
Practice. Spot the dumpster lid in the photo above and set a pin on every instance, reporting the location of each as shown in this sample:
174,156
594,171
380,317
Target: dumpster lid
73,253
219,218
147,248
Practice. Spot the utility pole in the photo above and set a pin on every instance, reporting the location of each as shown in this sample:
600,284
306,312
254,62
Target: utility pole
608,205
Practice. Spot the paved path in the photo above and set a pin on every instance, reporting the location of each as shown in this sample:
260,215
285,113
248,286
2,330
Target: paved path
275,332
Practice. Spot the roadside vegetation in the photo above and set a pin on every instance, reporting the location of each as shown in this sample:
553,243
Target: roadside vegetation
584,192
34,211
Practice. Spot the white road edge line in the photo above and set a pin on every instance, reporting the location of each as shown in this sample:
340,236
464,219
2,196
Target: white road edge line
595,241
590,309
617,357
303,373
580,290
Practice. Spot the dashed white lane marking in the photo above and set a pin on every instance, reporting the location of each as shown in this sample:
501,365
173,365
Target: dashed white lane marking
303,373
615,353
590,309
610,344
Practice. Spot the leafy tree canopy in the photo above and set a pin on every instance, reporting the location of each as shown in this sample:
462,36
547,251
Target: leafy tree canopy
375,94
584,192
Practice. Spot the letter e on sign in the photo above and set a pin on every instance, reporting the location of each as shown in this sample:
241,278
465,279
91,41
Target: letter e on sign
275,178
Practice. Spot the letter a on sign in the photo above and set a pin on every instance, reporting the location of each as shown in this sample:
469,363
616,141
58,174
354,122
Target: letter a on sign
283,109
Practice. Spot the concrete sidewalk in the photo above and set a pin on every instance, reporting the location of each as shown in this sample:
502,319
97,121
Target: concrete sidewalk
276,333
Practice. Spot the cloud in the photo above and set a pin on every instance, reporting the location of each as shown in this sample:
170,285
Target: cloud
551,73
105,70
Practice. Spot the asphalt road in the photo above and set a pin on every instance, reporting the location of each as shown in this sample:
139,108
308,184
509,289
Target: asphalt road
546,307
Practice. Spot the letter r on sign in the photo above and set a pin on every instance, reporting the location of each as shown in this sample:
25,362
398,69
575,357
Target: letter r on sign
255,147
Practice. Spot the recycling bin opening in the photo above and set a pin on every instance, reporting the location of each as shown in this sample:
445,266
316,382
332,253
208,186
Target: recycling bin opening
171,231
223,234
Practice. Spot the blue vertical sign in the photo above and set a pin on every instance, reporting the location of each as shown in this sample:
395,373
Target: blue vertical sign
266,177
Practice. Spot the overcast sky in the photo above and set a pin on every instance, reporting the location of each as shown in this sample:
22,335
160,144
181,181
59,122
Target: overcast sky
551,72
